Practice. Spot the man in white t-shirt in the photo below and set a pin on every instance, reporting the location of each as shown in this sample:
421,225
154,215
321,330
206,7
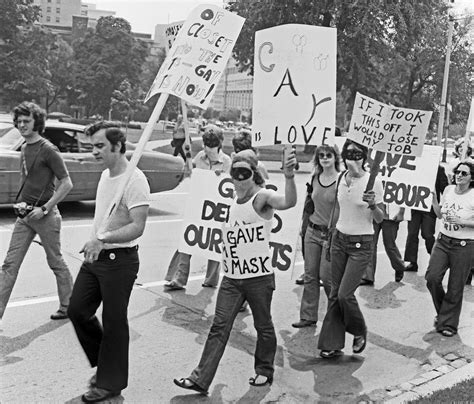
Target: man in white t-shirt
110,265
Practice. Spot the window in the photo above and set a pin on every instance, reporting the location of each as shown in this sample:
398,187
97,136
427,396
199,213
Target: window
49,1
58,19
48,9
48,18
58,1
58,10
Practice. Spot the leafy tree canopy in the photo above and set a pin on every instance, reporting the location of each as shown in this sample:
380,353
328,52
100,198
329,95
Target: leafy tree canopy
390,50
103,60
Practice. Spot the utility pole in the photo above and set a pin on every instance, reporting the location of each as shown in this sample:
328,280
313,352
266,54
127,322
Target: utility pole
444,91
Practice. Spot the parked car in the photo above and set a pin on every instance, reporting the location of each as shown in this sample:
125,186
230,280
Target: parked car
163,171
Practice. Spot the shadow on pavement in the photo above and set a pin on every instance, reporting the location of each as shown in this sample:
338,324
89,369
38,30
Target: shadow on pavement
11,345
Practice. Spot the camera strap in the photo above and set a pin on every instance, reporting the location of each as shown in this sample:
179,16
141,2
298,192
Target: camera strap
27,172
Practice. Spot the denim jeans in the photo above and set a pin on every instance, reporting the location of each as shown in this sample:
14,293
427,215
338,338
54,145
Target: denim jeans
449,253
108,280
258,293
49,230
315,267
180,267
389,229
427,223
350,256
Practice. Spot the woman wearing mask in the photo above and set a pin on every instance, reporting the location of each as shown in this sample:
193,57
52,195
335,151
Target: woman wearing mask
351,251
316,267
454,248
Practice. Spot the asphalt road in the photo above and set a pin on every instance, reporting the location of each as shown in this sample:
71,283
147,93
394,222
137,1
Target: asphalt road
42,362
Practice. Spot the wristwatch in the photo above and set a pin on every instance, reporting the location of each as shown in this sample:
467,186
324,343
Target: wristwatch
45,210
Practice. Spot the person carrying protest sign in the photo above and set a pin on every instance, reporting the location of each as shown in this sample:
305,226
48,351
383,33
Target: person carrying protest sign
351,251
179,137
211,158
110,265
323,184
248,274
424,222
453,249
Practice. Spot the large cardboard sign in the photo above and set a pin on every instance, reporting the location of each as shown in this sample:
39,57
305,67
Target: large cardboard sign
198,56
409,180
207,210
294,88
245,251
387,128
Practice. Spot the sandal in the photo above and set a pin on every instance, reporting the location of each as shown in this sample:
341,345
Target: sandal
447,333
187,384
254,381
330,354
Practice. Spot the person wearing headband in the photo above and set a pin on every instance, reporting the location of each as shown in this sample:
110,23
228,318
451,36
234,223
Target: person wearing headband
248,274
351,252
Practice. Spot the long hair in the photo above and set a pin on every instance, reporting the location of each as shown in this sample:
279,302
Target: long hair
113,133
30,108
471,169
325,148
362,148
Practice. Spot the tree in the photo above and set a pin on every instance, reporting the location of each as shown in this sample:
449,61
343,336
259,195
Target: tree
15,14
103,60
392,51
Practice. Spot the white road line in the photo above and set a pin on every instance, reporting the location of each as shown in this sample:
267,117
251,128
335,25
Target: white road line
30,302
67,226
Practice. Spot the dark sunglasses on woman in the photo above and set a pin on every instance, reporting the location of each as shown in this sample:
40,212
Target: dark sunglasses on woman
461,173
325,155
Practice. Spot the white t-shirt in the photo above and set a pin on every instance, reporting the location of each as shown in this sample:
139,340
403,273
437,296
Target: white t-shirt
137,193
462,206
355,217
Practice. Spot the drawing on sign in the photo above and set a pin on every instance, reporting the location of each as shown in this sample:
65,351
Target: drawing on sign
294,85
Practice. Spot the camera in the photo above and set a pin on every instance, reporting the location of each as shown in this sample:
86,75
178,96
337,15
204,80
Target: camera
22,209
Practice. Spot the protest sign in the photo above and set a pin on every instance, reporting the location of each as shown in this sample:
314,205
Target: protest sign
171,32
207,209
198,56
294,87
245,251
409,180
387,128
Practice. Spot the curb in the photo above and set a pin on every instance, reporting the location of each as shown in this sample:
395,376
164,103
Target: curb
439,383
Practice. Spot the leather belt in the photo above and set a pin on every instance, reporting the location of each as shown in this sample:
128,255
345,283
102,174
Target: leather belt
315,226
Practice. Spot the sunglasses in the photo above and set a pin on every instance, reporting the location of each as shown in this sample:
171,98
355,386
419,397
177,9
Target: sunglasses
353,155
325,155
461,173
240,173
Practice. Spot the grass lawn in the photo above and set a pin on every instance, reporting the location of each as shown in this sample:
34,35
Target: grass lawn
460,393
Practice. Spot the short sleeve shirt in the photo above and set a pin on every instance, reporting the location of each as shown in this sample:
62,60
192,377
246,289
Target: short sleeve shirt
355,217
137,193
462,206
40,173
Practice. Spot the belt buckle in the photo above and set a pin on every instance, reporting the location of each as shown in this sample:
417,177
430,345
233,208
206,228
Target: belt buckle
357,245
463,243
112,256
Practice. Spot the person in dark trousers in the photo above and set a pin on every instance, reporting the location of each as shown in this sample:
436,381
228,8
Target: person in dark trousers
253,207
424,222
110,265
453,249
41,166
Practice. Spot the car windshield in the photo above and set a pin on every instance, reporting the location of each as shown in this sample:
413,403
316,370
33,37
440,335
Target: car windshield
10,138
